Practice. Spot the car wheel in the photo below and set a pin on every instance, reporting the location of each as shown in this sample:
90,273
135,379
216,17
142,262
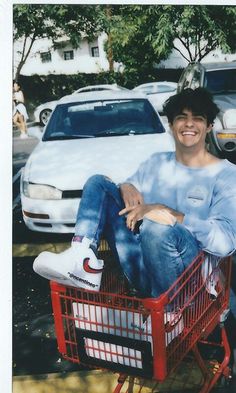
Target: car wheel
211,146
44,116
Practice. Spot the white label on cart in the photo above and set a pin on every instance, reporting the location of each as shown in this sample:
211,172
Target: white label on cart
113,353
122,323
111,321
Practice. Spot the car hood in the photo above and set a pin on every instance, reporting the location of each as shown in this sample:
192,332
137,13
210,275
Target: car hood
225,102
68,164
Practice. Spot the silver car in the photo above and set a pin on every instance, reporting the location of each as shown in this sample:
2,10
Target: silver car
220,80
158,92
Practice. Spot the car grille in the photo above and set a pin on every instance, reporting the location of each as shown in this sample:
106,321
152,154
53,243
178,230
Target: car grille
70,194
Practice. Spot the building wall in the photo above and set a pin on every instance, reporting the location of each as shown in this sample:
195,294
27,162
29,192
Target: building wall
83,60
175,60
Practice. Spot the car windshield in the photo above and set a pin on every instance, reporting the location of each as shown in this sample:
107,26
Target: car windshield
103,118
221,81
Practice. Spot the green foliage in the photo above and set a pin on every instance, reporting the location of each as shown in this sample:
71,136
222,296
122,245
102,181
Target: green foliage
143,35
33,21
139,36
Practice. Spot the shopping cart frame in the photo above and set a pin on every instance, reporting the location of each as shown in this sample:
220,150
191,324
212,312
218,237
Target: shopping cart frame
158,332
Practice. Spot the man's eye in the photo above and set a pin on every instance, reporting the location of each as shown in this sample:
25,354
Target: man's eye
198,118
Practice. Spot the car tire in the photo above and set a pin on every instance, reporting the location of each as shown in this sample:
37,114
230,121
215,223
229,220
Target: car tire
44,116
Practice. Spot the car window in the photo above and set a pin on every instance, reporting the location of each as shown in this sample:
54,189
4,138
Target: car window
220,81
185,79
196,79
147,89
165,88
94,89
103,118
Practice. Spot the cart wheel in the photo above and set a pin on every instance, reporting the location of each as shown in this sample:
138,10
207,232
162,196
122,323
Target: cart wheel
225,380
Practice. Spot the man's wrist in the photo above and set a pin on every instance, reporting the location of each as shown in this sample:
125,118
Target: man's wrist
178,215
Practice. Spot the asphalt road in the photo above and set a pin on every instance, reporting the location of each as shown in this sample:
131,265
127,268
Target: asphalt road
34,342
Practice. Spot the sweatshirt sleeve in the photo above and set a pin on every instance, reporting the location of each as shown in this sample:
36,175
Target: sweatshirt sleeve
217,233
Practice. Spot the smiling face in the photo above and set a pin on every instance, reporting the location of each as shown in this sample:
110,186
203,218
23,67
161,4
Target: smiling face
189,130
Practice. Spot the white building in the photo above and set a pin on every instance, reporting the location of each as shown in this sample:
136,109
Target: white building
46,58
175,60
90,57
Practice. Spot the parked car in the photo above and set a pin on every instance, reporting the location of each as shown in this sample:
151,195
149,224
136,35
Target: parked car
158,92
43,111
110,134
220,80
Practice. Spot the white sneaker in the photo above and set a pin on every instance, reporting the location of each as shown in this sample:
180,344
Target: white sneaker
23,135
77,266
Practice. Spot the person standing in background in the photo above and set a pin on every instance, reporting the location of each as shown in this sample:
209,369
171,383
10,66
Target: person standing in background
20,114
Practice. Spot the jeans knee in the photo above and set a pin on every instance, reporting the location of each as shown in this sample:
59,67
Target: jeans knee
153,230
97,180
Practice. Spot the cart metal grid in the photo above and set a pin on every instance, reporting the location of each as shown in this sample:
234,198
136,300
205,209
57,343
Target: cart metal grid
146,338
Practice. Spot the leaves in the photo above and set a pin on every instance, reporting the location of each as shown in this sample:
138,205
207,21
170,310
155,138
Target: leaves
34,21
139,36
144,35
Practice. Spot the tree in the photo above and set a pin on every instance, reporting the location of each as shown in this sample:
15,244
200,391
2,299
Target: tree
143,35
30,22
34,21
199,29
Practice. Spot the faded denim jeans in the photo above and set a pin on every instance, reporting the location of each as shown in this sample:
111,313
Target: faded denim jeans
152,259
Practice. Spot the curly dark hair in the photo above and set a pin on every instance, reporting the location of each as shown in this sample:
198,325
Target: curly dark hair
198,101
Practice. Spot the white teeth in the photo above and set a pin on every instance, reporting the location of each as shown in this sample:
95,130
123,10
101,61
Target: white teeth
189,133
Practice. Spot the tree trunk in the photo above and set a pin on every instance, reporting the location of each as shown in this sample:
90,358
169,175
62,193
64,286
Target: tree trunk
18,70
109,52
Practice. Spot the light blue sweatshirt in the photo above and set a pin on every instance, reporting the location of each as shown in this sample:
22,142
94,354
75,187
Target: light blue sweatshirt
206,196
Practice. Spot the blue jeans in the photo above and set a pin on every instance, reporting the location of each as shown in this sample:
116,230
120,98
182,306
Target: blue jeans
152,259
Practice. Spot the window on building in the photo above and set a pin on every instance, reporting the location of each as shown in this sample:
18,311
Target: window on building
68,55
95,51
45,57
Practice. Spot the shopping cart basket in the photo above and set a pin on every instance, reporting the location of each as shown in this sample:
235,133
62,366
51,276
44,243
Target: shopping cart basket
147,338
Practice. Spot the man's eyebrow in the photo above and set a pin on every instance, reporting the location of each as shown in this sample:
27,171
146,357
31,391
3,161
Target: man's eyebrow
199,114
193,113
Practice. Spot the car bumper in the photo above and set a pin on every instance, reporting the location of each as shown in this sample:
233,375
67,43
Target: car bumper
54,216
226,140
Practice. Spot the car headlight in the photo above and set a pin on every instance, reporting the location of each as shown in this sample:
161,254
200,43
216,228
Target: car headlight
229,118
40,191
217,126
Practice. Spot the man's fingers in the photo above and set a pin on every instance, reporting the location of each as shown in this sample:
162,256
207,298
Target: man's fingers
126,210
130,222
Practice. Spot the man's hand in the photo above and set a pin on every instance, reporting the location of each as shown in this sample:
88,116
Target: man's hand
155,212
162,216
134,214
130,195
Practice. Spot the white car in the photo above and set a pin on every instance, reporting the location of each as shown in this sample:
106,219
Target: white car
158,92
43,111
109,135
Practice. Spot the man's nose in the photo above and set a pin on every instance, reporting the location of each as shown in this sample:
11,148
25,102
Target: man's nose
189,121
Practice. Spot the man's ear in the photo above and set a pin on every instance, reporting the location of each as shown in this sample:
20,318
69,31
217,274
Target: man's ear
209,128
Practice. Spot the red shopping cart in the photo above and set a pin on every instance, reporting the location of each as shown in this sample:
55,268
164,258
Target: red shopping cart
147,341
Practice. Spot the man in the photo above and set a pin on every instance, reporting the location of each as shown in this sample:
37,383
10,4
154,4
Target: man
185,201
